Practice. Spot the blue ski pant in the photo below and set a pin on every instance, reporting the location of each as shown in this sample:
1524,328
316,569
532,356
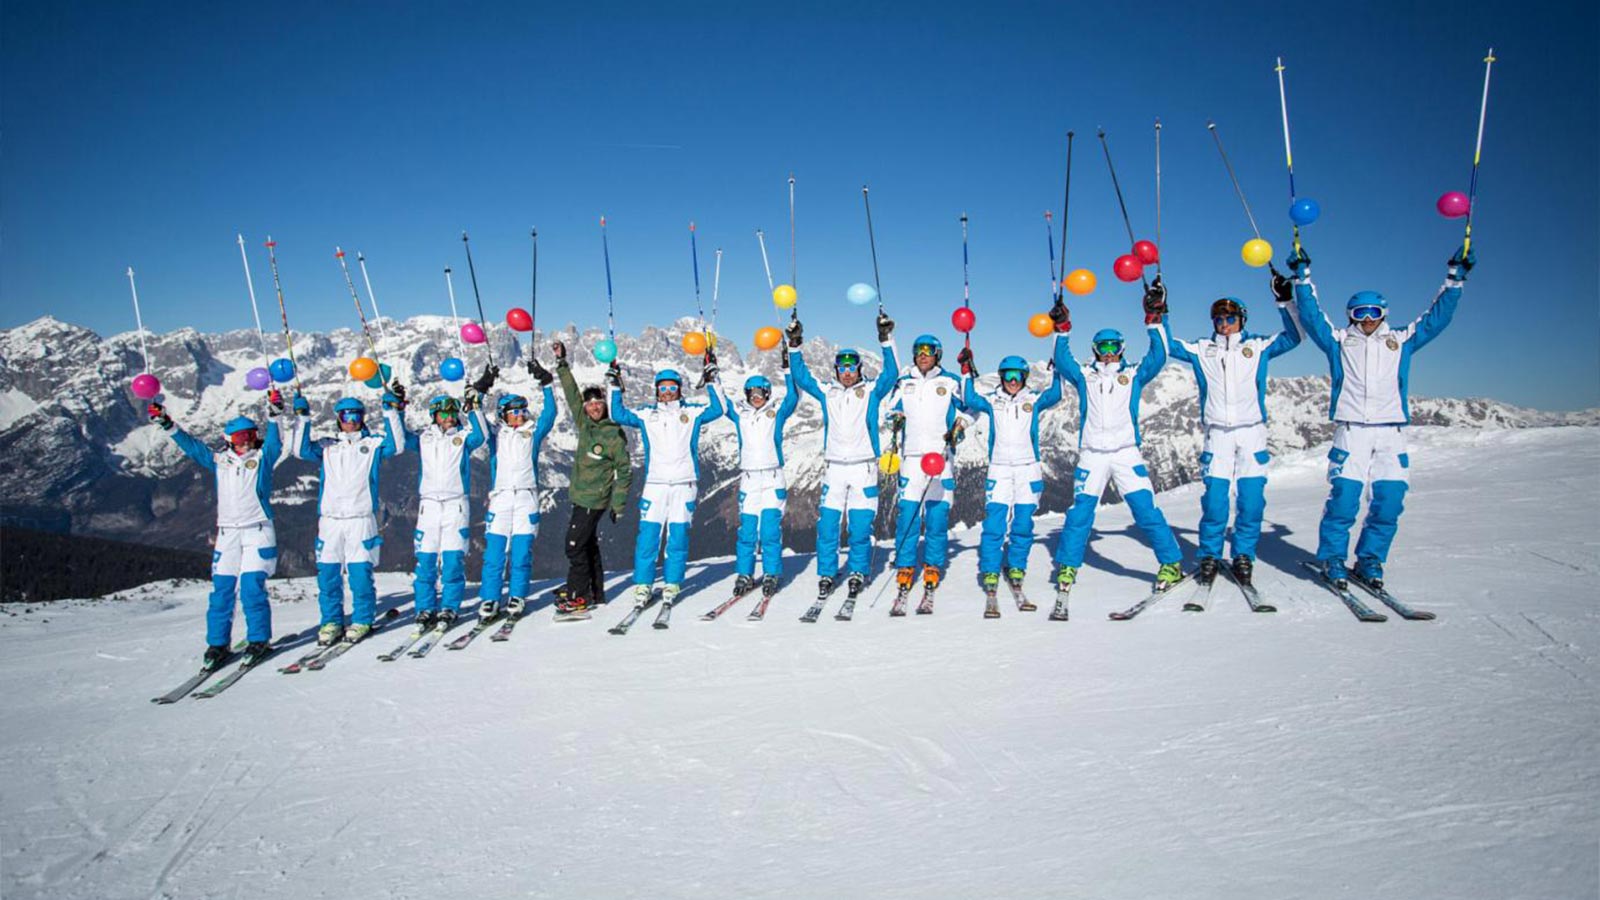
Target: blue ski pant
762,499
241,562
665,510
1364,456
1234,461
347,547
441,536
1011,497
1124,468
849,496
510,527
923,509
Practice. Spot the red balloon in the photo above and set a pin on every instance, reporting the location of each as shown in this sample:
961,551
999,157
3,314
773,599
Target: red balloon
518,319
963,319
1147,252
932,464
1128,267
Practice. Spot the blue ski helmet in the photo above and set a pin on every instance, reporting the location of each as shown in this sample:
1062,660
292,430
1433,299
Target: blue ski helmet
927,340
1367,298
847,356
238,424
669,375
350,404
1013,364
758,383
1106,334
513,403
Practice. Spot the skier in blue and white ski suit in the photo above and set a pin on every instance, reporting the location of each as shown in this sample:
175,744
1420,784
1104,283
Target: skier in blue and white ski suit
763,494
850,448
444,489
1108,441
1016,478
1370,363
347,510
512,521
1230,368
670,429
929,400
244,553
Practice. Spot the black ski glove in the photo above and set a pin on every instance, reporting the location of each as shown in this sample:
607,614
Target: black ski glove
540,372
1282,288
1155,301
1061,317
614,375
796,333
1461,265
486,381
158,415
968,366
1299,263
885,327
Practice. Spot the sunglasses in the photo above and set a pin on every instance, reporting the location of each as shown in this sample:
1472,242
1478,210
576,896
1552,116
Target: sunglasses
1013,376
512,411
1227,319
668,387
1366,313
1108,348
352,415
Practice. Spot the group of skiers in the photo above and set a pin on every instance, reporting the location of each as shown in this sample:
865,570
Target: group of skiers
927,409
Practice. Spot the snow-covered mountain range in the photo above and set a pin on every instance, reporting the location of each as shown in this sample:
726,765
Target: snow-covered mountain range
76,452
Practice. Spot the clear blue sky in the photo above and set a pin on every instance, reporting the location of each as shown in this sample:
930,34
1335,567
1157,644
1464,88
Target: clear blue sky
149,134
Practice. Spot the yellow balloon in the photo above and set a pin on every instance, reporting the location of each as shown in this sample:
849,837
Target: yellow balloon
784,297
1256,253
889,462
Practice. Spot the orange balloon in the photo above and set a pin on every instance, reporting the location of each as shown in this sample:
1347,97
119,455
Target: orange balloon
768,337
1041,325
694,343
362,368
1079,281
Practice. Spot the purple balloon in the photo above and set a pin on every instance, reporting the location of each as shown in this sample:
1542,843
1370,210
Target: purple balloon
471,333
1453,204
259,379
146,386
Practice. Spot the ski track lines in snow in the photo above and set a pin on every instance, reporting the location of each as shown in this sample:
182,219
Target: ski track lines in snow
1220,754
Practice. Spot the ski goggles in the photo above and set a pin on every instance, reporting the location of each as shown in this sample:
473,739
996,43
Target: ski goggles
512,411
925,350
1367,313
245,438
753,393
1108,348
445,407
1013,376
352,416
847,361
668,387
1226,319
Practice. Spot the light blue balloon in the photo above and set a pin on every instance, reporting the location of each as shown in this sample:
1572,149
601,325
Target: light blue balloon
605,350
861,294
1305,211
452,369
380,379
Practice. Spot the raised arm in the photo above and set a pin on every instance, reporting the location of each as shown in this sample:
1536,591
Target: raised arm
1156,358
392,422
569,388
1066,366
547,417
791,400
271,444
975,401
193,447
621,413
1289,338
890,375
1050,396
801,375
714,408
1432,322
477,435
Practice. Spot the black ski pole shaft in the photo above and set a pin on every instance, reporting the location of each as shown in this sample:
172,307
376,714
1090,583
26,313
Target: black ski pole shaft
473,272
1115,184
1066,204
872,242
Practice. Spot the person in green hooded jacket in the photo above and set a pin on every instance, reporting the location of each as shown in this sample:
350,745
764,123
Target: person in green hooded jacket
601,475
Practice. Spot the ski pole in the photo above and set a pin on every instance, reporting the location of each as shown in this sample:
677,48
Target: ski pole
1050,246
611,310
1477,153
138,318
1234,178
966,283
716,284
254,310
873,243
454,317
694,261
377,316
1127,222
1066,202
1288,154
761,238
1158,196
472,271
533,300
794,313
283,311
360,311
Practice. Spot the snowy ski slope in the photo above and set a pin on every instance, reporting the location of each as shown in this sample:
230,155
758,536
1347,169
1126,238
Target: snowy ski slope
1216,754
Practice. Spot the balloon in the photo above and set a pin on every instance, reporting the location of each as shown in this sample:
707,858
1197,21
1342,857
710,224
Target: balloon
452,369
784,297
258,379
605,350
1453,204
694,343
932,464
282,370
768,337
1256,253
1147,252
1304,211
861,294
472,334
379,380
963,319
1080,281
145,386
889,462
362,368
518,319
1128,267
1041,325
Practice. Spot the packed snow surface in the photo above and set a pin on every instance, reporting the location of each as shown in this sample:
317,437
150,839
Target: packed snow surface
1216,754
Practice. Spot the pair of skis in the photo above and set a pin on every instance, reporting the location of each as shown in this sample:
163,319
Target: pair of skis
1362,611
193,682
847,610
663,617
756,614
991,600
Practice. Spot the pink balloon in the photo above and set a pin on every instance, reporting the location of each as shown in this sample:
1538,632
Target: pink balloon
472,334
145,386
932,464
1453,204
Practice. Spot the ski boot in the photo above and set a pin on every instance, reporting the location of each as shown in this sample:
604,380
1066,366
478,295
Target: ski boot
426,619
1066,577
669,598
1370,570
1207,573
824,590
769,585
329,634
1243,567
1334,571
930,583
856,583
514,607
769,588
742,585
562,601
215,657
903,580
487,610
991,590
1168,575
356,632
255,651
1014,579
